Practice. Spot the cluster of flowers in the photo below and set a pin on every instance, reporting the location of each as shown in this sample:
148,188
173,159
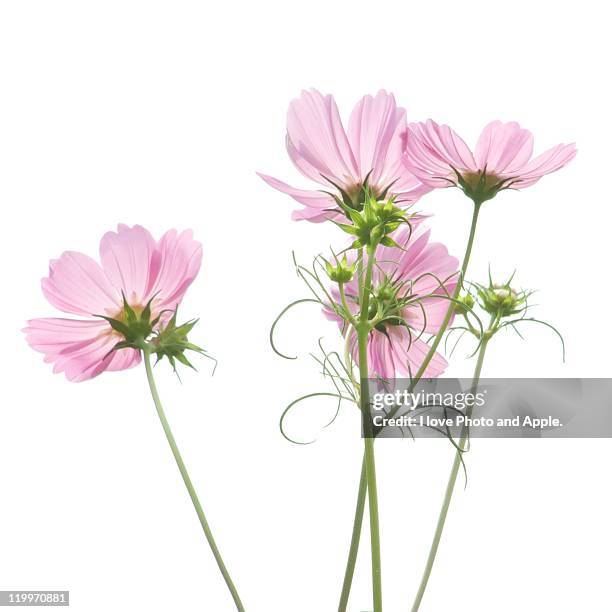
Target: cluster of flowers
383,157
395,292
393,295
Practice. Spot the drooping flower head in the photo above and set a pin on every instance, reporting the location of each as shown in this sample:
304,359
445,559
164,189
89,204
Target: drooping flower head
406,283
343,162
134,291
438,157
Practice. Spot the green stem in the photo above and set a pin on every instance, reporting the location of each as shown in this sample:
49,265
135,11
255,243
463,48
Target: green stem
363,331
355,537
187,481
350,568
450,487
451,308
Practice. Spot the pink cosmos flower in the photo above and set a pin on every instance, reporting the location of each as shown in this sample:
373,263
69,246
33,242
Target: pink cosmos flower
502,159
133,265
341,161
422,269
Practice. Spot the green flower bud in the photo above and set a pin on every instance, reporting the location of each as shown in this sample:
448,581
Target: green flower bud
171,342
373,224
502,300
464,303
342,272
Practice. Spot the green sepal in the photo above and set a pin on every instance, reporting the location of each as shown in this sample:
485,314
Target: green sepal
117,325
389,242
171,342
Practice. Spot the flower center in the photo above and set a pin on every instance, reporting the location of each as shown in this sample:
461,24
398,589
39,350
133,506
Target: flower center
476,180
358,193
482,186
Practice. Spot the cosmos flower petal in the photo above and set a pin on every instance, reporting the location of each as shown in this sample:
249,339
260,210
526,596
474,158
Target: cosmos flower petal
309,198
136,265
382,356
315,215
503,147
434,152
178,260
317,142
78,285
416,355
550,161
376,134
447,145
128,259
322,151
428,315
424,270
78,348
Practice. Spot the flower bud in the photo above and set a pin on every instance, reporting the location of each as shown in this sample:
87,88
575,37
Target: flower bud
373,224
502,300
171,342
342,272
464,303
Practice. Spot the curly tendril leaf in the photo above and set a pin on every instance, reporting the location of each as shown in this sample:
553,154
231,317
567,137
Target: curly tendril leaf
280,316
331,369
301,399
448,335
534,320
328,370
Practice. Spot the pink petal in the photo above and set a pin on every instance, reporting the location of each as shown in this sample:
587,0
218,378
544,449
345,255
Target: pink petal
503,148
79,348
550,161
426,264
307,197
128,259
177,263
426,270
382,358
376,130
77,284
401,353
319,206
416,355
316,216
317,142
433,151
427,315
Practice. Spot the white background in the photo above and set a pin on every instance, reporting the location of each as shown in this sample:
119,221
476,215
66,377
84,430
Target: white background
160,114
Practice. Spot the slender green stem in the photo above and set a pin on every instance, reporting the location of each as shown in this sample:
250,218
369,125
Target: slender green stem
355,537
363,331
450,487
416,378
361,497
347,310
187,481
451,307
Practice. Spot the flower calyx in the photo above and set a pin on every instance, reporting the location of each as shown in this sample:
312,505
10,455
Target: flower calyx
172,342
481,186
142,332
342,272
373,224
464,304
134,324
501,300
